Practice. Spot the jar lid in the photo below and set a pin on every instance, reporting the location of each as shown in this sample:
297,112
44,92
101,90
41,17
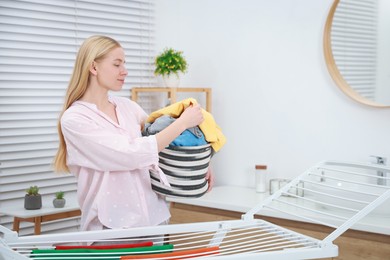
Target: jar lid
261,167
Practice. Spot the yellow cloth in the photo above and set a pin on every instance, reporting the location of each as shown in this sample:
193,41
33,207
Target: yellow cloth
212,132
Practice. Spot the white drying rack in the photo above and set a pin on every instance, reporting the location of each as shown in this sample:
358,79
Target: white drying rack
334,194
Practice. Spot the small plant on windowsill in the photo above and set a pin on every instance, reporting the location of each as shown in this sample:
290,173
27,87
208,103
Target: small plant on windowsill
32,200
59,200
169,64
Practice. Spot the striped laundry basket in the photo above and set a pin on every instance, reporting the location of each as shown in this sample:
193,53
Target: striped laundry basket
186,168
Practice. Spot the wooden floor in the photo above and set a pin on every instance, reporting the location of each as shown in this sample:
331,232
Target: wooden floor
353,245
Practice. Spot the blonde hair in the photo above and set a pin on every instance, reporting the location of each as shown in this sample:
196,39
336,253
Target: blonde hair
93,49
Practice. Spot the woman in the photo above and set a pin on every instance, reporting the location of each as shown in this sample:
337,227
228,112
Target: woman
101,142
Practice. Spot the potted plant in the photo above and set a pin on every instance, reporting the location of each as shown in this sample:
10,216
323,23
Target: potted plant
59,200
32,200
168,64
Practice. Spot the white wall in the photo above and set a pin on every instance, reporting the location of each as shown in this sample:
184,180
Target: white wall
272,93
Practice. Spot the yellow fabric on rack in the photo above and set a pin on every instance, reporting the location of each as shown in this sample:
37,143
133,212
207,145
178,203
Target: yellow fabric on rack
212,132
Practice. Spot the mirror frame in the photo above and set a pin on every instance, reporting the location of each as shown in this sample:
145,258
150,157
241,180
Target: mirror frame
332,67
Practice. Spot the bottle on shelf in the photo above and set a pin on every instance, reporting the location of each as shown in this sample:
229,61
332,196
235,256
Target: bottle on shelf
261,178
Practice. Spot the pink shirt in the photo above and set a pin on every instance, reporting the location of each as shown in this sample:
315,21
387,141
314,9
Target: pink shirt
111,163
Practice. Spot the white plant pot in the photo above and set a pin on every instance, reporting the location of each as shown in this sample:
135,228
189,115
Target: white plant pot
171,81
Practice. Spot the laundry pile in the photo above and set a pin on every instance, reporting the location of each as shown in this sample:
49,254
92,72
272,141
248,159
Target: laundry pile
186,160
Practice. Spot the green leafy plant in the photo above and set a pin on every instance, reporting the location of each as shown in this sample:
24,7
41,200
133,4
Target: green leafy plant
170,61
33,191
59,195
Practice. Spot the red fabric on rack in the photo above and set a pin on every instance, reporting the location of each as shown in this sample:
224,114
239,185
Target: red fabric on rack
142,244
182,254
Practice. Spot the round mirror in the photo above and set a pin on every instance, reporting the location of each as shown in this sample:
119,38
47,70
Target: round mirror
357,49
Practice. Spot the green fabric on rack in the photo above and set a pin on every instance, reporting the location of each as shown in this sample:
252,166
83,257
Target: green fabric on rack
99,254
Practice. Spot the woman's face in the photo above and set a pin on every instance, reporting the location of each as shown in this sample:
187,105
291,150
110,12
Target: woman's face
111,71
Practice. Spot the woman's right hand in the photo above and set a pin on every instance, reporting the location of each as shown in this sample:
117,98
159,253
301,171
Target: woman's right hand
192,116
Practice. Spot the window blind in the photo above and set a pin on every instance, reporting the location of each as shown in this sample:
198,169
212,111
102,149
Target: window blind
38,46
354,44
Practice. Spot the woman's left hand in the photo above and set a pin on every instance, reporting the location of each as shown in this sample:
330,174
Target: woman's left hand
210,178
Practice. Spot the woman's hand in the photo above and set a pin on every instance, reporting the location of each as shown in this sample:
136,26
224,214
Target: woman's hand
210,178
192,116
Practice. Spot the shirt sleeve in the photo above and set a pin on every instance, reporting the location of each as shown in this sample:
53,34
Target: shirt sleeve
99,147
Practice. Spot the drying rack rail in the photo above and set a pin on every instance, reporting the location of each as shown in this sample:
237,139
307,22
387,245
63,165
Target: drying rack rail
332,193
335,194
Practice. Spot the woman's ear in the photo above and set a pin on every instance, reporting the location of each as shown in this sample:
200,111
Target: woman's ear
92,68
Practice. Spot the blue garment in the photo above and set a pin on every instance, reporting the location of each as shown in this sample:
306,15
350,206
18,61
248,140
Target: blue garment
187,138
158,125
191,137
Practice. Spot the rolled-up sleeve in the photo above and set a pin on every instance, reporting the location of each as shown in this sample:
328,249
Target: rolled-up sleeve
99,147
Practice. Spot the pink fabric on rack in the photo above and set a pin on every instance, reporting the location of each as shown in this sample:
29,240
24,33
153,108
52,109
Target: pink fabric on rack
142,244
111,162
